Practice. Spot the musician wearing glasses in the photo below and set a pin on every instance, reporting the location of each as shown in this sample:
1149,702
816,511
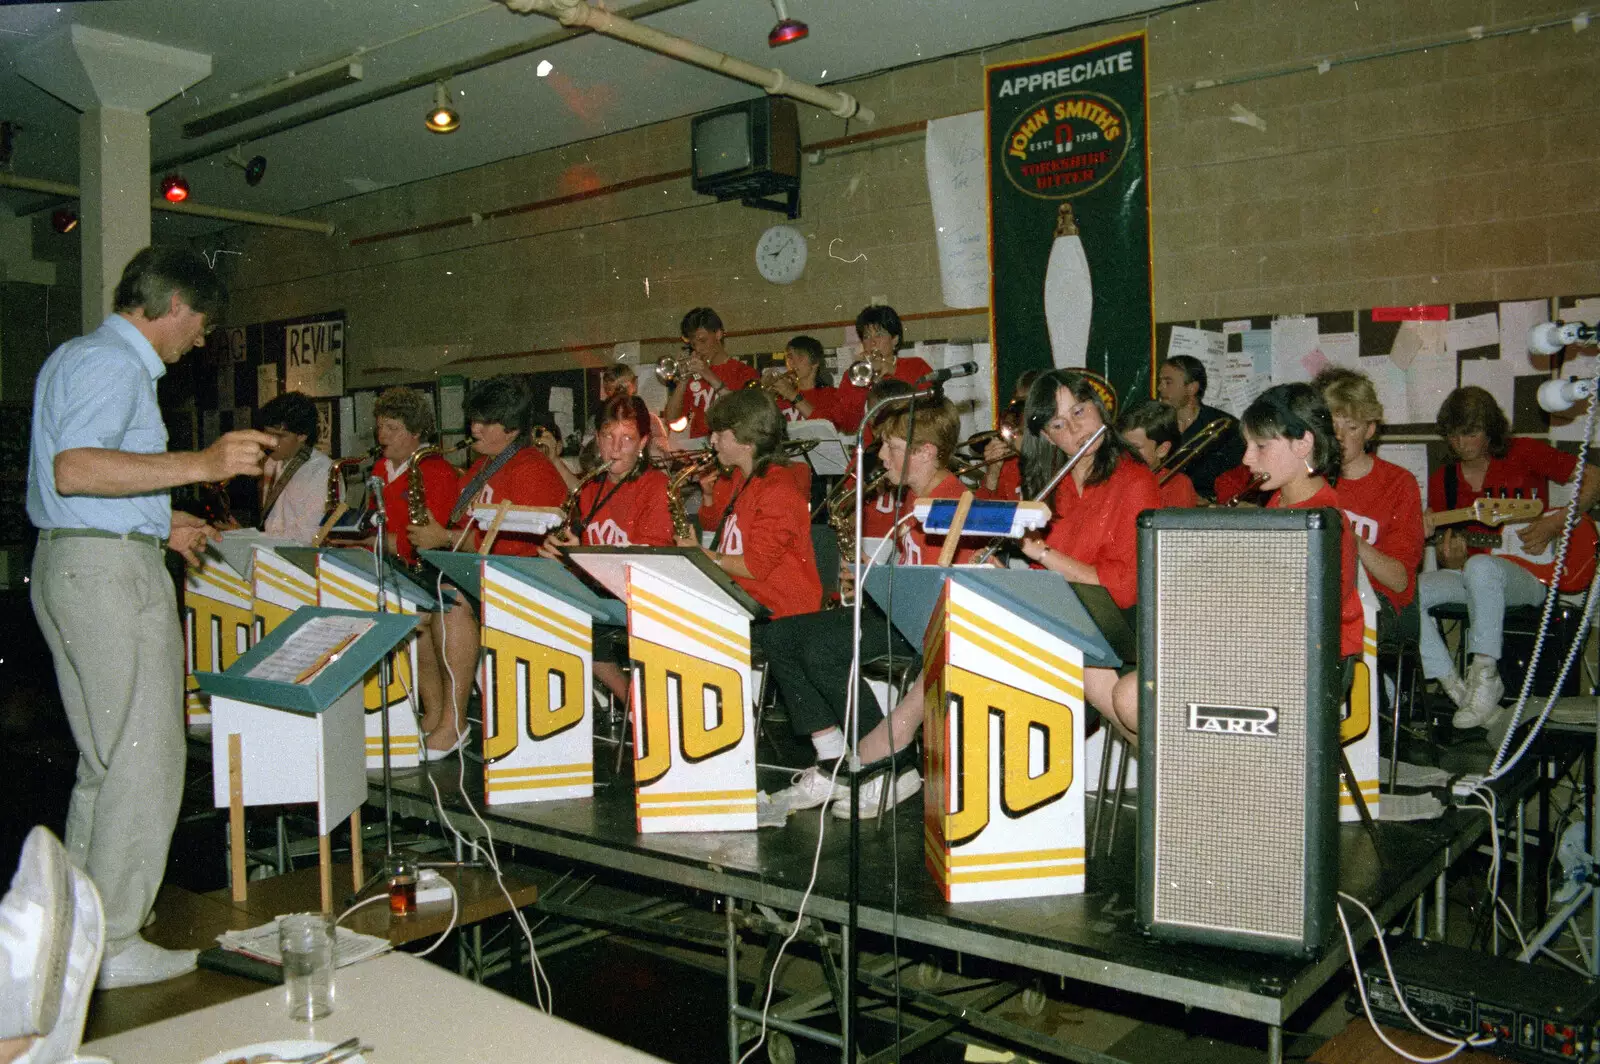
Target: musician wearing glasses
1151,429
1181,384
762,535
708,371
1488,462
1380,500
294,482
881,334
809,656
622,503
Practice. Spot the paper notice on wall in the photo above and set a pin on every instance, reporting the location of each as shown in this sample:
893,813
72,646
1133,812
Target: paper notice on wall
1413,458
349,442
1430,378
561,399
266,383
959,194
1584,310
969,394
366,429
1389,381
651,390
1480,330
1516,321
1418,340
1293,341
1495,375
627,351
313,356
1341,349
1246,373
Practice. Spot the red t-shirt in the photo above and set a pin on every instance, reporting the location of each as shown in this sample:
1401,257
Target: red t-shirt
440,483
852,401
771,527
630,514
916,546
733,373
1178,491
711,509
822,400
1098,527
1351,622
1525,471
528,479
877,513
1010,484
1385,509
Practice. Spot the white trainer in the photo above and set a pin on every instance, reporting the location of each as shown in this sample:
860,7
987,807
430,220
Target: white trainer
1484,691
810,789
142,962
1454,688
906,784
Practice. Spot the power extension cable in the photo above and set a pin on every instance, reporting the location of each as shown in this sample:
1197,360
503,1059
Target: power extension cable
1465,785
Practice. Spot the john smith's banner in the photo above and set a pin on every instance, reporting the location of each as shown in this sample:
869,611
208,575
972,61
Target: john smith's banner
1070,216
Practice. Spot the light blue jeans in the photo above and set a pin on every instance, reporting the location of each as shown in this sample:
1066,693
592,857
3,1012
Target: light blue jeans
1488,585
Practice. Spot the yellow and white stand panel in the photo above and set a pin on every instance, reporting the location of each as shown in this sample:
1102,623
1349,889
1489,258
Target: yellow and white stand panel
694,746
218,626
1358,723
538,732
1003,802
341,587
278,588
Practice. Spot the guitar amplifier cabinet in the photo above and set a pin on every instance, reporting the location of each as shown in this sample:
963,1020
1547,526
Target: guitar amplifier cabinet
1240,687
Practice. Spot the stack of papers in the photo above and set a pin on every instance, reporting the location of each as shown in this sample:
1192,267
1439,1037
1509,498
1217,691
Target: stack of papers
349,947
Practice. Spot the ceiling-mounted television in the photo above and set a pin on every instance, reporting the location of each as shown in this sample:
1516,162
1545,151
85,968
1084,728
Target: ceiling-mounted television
749,151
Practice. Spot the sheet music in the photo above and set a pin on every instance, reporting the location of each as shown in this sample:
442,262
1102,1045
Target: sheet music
532,520
828,458
309,647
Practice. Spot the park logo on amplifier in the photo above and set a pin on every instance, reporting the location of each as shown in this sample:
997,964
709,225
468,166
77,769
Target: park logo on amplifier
1233,720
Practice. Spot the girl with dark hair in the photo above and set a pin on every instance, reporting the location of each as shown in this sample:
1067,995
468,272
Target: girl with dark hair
1488,461
1289,439
1093,538
881,333
762,536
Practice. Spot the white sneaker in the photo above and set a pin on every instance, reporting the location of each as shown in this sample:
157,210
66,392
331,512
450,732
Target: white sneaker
1484,691
810,789
1454,688
52,933
906,784
142,962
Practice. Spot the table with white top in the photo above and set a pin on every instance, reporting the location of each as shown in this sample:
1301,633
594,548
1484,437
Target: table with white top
407,1009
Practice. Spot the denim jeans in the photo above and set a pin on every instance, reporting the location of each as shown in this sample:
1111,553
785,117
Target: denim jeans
1488,585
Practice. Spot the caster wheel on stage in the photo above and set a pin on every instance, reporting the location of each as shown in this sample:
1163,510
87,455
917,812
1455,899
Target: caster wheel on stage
780,1048
1033,1000
929,974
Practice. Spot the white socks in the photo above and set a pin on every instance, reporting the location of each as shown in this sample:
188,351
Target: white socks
829,744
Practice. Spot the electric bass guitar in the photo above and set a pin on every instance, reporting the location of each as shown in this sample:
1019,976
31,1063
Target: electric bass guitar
1510,515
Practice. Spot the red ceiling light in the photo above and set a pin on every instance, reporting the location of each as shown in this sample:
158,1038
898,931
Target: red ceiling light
788,30
64,220
174,189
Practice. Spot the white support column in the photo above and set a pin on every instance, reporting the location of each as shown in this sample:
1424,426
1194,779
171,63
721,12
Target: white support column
115,81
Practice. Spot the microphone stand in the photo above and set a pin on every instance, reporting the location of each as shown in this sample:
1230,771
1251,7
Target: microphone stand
852,949
375,487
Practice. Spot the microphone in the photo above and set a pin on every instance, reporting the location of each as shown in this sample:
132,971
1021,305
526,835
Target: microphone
1552,336
939,376
1557,397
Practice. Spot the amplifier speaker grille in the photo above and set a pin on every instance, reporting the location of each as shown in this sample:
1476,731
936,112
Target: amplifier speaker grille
1225,817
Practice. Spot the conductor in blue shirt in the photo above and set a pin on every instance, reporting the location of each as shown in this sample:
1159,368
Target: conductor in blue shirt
99,480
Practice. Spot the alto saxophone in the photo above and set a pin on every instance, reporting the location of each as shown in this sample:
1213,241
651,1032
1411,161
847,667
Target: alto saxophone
682,527
416,497
570,506
842,519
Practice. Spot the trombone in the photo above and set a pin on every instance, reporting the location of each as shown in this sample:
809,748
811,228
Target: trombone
1190,449
988,552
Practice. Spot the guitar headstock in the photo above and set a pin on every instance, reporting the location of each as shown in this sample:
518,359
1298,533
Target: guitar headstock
1496,512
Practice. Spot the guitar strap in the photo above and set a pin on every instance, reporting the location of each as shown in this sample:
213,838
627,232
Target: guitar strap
1451,485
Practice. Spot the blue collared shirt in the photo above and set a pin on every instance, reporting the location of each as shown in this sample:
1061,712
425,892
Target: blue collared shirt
98,391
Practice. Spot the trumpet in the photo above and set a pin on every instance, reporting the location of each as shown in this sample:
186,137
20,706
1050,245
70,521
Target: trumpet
768,381
1009,431
1245,492
862,373
670,369
1190,449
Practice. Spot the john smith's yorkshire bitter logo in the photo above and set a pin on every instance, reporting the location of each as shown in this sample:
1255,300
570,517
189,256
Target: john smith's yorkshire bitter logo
1066,145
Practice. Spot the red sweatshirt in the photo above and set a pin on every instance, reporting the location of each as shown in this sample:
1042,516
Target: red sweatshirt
1385,509
771,527
1097,527
1351,622
528,479
630,514
440,483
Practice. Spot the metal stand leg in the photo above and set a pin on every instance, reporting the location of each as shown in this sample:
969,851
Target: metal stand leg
1274,1044
733,979
1438,907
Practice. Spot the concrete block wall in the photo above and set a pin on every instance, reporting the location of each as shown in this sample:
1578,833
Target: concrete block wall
1443,173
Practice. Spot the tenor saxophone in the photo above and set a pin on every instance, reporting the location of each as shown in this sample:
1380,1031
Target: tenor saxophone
842,519
416,497
682,527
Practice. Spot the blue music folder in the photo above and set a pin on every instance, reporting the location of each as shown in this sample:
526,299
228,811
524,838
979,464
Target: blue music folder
1039,597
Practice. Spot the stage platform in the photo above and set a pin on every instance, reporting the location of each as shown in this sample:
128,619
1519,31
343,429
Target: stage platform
1091,937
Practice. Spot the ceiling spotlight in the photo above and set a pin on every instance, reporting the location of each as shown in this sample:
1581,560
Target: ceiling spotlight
254,170
442,118
788,30
64,220
174,189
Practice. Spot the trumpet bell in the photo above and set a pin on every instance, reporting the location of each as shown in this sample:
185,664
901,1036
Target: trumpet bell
669,369
861,374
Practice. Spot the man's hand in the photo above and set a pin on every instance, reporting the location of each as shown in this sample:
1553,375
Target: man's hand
1451,550
1538,534
189,540
430,536
555,542
236,454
